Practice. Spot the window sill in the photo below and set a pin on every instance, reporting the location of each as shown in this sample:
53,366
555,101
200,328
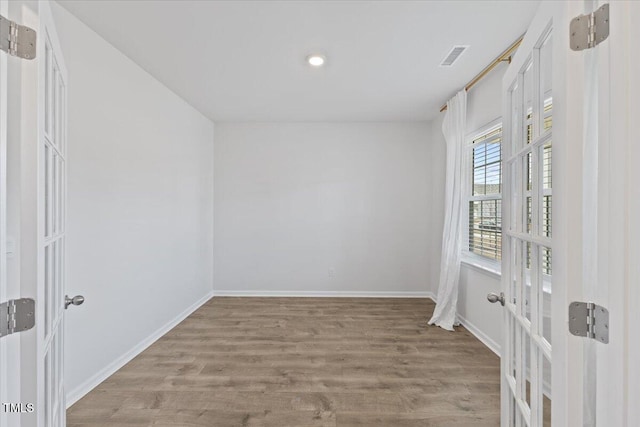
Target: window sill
483,265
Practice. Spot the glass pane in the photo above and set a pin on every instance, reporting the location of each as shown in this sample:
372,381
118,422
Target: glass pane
54,100
515,193
527,280
546,81
528,118
60,338
60,197
487,167
516,267
494,173
479,179
57,293
528,218
546,166
63,120
527,212
47,289
527,368
62,244
47,89
528,172
47,390
512,335
547,111
485,228
47,191
546,261
546,215
58,112
546,392
516,140
53,284
54,193
546,295
54,372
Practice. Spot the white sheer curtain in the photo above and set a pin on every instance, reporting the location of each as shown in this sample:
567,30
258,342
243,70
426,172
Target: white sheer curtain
454,129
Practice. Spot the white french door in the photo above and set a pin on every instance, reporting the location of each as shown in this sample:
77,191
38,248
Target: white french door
34,193
601,143
52,144
527,229
570,212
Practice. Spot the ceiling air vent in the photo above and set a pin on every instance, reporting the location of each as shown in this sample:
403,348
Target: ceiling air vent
453,56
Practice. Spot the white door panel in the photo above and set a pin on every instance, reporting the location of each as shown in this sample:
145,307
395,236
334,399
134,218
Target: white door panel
51,222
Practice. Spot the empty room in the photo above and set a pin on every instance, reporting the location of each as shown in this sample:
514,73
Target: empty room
322,213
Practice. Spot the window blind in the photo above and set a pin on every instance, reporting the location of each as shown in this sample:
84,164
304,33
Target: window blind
485,203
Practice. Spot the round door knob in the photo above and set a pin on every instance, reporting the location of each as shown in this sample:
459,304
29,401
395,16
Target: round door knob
77,300
494,298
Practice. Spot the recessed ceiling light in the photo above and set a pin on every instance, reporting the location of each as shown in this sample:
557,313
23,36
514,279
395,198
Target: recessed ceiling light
316,60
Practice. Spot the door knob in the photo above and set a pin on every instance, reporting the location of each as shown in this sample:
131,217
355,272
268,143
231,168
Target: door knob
77,300
493,298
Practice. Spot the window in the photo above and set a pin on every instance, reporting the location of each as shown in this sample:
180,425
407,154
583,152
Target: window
485,198
484,238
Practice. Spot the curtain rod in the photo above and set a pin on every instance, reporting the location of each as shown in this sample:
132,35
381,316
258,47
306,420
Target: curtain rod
504,56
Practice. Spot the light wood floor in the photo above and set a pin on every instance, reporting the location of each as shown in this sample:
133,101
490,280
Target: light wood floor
303,362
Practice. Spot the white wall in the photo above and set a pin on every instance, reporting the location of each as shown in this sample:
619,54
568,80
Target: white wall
323,208
437,170
480,316
140,206
484,104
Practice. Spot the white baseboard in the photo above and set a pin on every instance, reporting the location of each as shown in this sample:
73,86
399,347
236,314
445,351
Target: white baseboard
76,394
484,338
322,294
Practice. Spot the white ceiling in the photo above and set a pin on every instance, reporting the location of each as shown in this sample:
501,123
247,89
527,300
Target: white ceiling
245,60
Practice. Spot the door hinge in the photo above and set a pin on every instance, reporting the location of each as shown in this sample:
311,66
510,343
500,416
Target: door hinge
587,31
590,320
17,316
17,40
